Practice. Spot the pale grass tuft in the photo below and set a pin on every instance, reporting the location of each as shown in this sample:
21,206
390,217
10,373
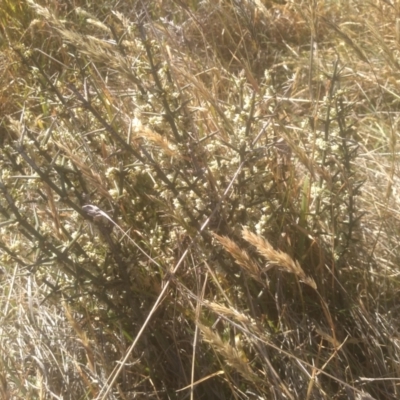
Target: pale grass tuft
230,313
231,355
157,139
277,257
241,257
98,49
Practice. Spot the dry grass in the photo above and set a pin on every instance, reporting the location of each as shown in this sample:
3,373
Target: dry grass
247,152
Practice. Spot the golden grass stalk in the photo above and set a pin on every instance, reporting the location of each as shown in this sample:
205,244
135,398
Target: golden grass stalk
230,313
277,257
157,139
241,257
231,355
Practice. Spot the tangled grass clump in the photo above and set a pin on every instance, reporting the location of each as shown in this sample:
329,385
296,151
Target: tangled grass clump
199,199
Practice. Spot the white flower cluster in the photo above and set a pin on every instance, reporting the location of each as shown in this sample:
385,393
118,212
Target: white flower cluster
322,144
262,224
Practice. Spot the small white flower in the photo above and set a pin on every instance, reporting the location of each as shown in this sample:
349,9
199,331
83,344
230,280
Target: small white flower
322,144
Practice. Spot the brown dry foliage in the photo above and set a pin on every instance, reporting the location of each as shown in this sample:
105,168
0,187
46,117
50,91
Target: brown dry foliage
246,153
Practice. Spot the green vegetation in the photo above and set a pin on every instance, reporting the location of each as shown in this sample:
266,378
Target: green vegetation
243,159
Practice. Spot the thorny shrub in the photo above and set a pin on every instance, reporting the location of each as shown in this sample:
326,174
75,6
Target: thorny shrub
204,157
